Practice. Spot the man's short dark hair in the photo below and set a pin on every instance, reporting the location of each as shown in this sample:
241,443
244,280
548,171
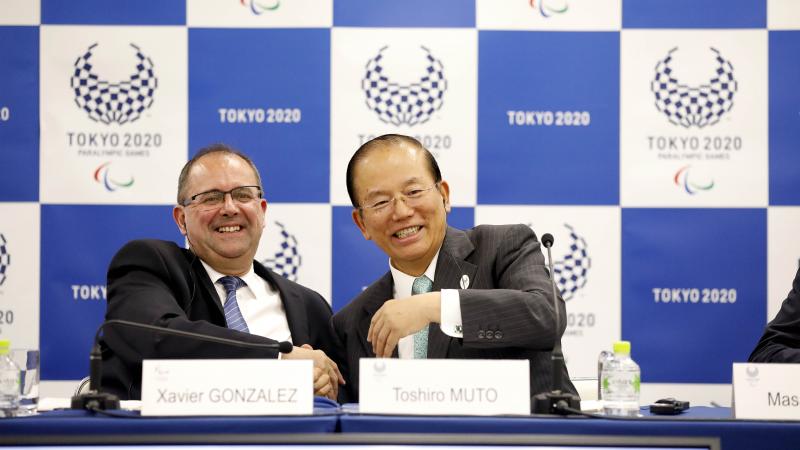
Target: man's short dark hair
386,141
213,148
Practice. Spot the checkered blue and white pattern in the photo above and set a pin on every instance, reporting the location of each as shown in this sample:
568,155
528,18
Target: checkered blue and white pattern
121,102
656,140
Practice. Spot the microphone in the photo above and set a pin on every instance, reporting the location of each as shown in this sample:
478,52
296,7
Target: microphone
555,401
95,400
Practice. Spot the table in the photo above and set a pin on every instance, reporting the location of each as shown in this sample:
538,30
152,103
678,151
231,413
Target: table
334,425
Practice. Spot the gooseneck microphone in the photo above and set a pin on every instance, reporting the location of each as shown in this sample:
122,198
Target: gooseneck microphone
555,401
95,400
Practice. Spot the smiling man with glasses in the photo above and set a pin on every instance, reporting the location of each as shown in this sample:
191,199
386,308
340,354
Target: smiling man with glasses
482,293
214,287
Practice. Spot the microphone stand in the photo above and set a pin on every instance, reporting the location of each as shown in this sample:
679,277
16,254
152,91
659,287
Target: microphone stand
555,401
94,400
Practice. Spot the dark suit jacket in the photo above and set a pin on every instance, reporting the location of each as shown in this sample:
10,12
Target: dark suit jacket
507,310
158,283
781,339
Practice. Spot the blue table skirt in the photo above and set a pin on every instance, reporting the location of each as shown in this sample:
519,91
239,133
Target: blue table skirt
85,423
699,421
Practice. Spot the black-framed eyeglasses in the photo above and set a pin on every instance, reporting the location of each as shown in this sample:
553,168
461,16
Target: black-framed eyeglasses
215,197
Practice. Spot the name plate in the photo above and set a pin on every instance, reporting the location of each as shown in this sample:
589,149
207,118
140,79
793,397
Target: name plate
766,391
227,387
470,387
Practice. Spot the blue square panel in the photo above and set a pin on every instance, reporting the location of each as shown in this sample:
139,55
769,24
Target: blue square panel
694,14
784,118
120,12
693,290
358,262
19,114
77,243
408,13
548,122
267,93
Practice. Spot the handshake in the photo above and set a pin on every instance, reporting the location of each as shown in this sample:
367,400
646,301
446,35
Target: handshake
327,377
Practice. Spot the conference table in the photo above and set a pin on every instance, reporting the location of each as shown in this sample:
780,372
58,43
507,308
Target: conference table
332,424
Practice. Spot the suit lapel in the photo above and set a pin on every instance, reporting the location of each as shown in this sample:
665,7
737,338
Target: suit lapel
450,268
206,287
377,294
293,305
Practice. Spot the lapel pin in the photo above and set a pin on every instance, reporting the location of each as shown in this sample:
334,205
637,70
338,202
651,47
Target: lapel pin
464,281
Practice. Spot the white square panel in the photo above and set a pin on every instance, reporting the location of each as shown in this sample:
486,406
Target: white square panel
586,262
20,12
259,13
433,75
19,274
693,118
783,254
113,113
550,15
783,14
297,244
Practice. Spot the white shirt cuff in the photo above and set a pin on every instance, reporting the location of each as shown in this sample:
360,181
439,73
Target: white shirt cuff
451,313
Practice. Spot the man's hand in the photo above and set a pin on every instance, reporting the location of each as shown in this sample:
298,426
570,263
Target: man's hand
398,318
327,377
322,384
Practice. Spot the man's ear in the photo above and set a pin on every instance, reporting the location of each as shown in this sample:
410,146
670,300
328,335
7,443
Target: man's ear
179,216
444,189
264,210
358,219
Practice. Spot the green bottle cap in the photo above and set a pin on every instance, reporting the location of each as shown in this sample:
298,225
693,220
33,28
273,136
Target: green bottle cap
622,347
5,345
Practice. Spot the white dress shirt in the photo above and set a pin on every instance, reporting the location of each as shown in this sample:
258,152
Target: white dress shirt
450,320
260,304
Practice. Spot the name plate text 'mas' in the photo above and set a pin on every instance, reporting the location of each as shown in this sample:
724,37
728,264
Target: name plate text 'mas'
766,391
227,387
444,386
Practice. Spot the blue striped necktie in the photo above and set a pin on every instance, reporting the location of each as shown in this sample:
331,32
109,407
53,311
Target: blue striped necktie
233,316
421,285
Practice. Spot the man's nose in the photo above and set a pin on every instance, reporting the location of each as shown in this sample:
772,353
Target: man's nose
228,204
401,209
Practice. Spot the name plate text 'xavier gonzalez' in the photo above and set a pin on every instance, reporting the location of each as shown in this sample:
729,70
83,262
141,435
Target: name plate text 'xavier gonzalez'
474,387
227,387
766,391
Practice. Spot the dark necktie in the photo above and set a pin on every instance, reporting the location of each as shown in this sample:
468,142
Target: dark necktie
233,316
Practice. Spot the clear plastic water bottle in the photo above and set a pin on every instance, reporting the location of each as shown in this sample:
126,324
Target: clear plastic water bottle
9,381
621,379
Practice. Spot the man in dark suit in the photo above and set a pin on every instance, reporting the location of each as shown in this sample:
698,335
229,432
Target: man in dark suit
213,288
484,293
781,340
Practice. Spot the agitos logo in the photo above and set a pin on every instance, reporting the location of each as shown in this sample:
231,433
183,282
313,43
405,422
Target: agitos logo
102,176
258,7
548,8
108,102
398,104
5,259
682,179
286,261
694,106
